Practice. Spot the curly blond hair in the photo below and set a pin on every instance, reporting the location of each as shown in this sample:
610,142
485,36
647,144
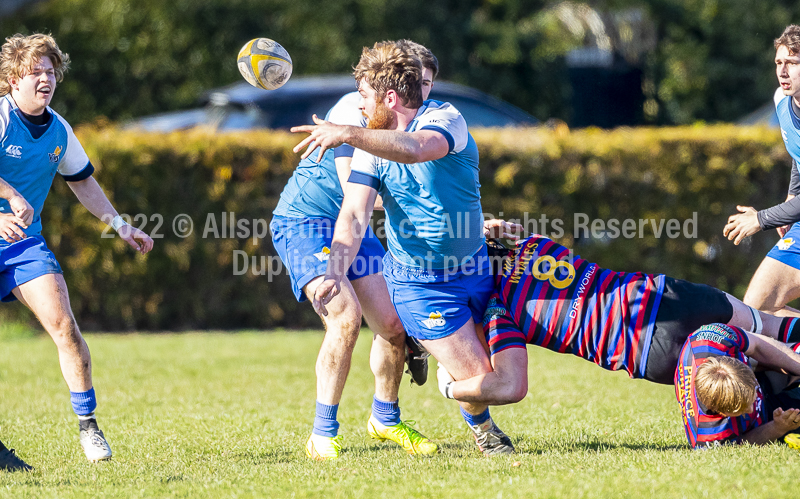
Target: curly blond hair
392,66
20,54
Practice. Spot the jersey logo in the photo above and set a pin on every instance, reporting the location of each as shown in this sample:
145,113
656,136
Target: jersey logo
323,255
55,155
14,152
434,320
494,310
785,135
786,243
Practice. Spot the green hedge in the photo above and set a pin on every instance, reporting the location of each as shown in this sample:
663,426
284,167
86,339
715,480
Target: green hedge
188,283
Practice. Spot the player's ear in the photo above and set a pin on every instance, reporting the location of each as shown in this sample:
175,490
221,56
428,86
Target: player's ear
392,99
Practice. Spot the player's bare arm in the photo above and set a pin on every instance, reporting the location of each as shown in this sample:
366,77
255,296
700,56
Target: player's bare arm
343,172
350,226
394,145
91,196
782,423
772,354
507,384
19,205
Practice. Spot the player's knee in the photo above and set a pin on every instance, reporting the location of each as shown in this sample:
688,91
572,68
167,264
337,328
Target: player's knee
346,325
64,330
392,330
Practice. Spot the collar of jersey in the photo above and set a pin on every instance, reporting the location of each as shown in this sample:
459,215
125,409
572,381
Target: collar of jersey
413,125
14,107
792,115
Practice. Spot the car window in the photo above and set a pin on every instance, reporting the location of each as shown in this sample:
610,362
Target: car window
478,114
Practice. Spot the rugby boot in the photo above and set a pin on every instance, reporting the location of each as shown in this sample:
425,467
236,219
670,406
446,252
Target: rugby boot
792,440
404,435
321,448
9,461
94,442
417,361
491,440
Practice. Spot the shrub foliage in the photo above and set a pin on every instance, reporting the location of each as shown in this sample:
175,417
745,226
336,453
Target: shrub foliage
189,282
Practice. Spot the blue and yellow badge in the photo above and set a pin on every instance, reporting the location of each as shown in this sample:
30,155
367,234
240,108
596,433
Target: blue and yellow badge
55,155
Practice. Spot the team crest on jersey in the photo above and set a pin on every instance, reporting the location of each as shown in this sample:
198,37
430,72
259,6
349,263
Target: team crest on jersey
323,255
785,135
785,243
14,152
434,320
55,155
494,309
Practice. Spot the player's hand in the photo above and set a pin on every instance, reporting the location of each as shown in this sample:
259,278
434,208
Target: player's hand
786,421
741,225
444,379
324,293
500,229
138,239
22,209
11,228
783,230
322,134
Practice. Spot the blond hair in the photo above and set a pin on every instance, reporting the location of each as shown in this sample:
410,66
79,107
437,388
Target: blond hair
725,385
425,56
20,54
790,38
390,66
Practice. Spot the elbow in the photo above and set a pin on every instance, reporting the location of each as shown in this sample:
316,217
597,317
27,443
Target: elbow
513,390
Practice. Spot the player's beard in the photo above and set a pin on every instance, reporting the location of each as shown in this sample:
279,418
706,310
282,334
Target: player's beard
382,119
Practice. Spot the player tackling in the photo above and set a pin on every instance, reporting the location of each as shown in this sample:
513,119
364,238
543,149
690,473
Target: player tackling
629,321
35,144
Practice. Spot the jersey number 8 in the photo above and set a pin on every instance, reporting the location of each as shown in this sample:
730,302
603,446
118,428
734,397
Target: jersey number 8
550,274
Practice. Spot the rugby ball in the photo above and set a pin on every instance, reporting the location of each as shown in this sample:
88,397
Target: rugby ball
264,63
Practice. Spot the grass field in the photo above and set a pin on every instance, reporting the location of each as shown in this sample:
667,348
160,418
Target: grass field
226,415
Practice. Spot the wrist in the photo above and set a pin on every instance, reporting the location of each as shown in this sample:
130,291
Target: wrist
117,223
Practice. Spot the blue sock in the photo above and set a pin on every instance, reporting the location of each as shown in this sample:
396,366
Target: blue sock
387,413
83,403
325,423
475,419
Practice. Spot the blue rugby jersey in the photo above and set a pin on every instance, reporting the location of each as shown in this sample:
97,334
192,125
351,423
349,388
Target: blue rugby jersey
314,189
29,163
703,427
547,297
433,209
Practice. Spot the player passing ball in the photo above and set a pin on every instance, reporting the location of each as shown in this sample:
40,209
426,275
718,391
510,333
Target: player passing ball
37,144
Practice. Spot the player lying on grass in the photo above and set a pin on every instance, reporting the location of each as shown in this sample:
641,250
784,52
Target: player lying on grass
302,230
627,321
38,143
722,401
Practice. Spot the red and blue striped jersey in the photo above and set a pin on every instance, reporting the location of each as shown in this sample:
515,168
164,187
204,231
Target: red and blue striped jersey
703,427
545,296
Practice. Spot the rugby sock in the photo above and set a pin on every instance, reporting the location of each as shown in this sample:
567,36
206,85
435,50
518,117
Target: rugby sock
83,403
789,331
475,419
325,424
387,413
